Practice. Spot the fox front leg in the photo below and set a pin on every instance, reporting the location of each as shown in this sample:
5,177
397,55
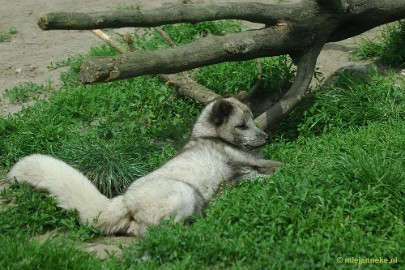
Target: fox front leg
266,167
258,168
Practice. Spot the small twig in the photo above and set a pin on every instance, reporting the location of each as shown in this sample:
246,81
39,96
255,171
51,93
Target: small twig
128,38
259,69
113,43
130,41
165,36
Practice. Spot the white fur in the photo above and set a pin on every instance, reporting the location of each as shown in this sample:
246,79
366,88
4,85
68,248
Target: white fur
179,189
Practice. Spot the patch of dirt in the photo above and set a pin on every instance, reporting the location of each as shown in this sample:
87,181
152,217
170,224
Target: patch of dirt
112,245
102,248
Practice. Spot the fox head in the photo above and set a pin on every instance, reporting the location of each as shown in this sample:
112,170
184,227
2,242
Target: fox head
230,120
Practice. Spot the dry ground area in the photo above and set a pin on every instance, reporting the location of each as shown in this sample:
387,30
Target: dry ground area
30,51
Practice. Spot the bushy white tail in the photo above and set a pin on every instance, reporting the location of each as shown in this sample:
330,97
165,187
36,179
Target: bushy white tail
73,191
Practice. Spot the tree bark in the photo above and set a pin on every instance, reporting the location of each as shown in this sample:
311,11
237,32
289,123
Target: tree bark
211,49
305,70
169,14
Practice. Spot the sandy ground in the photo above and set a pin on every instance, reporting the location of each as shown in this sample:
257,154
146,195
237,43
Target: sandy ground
31,51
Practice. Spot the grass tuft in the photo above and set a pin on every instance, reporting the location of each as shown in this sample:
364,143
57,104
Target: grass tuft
7,36
28,91
355,100
387,48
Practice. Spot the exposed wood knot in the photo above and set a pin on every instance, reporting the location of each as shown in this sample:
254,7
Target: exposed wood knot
113,75
239,47
99,21
43,23
282,24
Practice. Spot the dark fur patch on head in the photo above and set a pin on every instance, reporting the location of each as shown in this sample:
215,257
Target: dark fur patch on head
243,97
220,111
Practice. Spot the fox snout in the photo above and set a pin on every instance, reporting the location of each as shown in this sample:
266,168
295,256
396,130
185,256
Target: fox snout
257,139
261,138
263,135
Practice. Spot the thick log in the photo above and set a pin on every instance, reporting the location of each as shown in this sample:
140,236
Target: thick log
169,14
208,50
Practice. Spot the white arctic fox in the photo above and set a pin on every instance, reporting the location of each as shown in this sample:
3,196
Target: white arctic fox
221,148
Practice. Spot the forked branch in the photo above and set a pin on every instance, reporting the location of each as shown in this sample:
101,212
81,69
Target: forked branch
299,30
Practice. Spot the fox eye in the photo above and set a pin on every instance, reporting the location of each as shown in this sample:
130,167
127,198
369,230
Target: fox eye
242,126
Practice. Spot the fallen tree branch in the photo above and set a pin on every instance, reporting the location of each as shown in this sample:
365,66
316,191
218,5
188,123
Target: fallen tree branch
187,13
290,36
206,51
305,71
186,86
358,16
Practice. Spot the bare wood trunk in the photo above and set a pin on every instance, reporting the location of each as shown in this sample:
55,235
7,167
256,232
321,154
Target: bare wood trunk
208,50
168,14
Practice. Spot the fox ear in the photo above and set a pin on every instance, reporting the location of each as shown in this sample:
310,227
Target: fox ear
243,97
220,111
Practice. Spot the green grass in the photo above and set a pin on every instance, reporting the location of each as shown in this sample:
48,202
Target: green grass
342,194
380,98
7,36
388,48
21,254
25,92
28,212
